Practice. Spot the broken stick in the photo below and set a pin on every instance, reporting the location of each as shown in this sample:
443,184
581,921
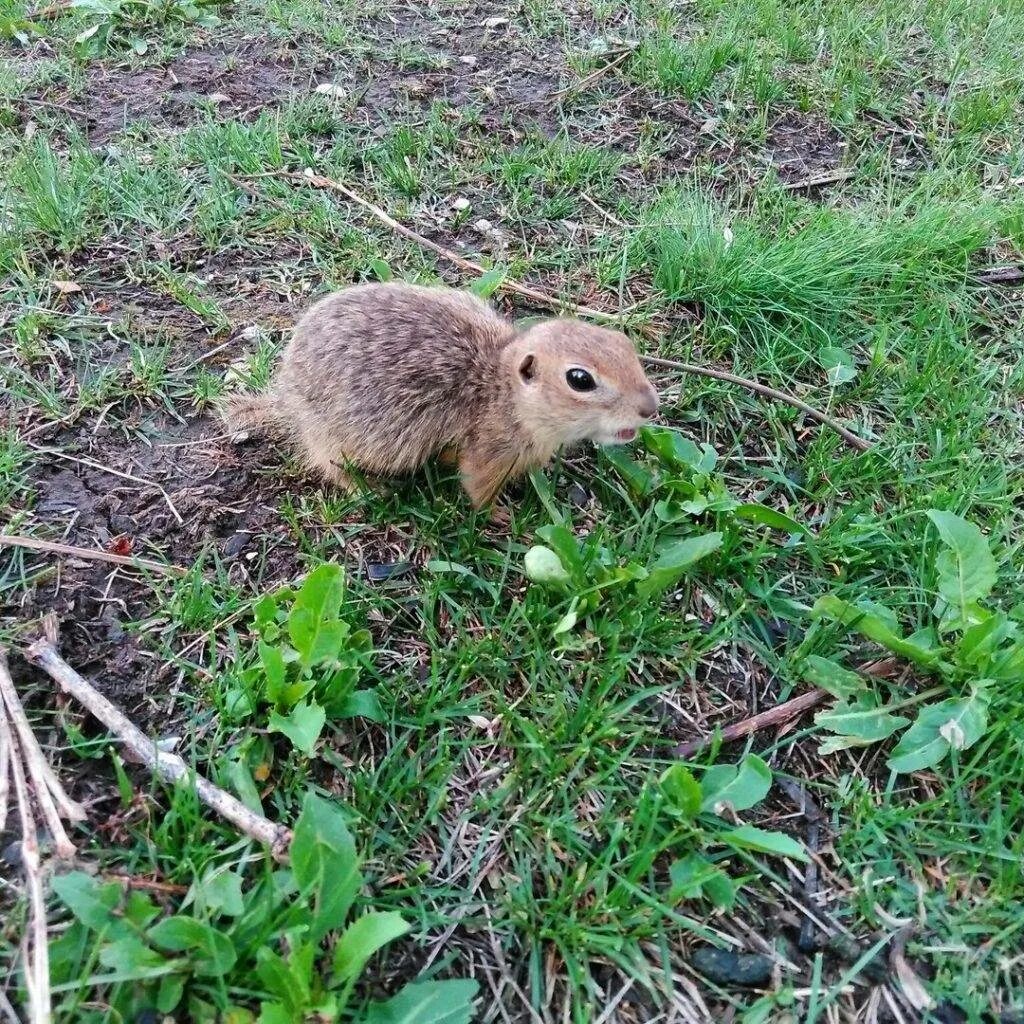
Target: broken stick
73,551
49,794
170,767
777,715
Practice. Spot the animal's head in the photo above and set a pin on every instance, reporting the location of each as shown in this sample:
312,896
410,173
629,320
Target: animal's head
576,382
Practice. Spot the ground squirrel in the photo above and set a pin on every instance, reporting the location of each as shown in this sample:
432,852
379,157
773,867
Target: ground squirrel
385,376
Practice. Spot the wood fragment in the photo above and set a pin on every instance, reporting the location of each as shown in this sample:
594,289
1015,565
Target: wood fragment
762,389
552,302
817,180
46,787
35,946
777,715
1001,275
169,767
589,80
535,295
93,554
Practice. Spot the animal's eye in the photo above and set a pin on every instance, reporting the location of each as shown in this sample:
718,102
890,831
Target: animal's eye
580,380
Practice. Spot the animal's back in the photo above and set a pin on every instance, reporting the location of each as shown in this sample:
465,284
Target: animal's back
388,374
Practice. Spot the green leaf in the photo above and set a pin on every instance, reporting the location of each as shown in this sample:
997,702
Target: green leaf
695,876
638,478
768,517
169,993
275,669
966,569
130,956
488,283
211,951
859,724
838,365
91,901
563,542
426,1002
221,892
675,560
747,837
827,675
681,790
877,623
677,451
381,270
543,566
741,785
568,621
363,704
302,725
325,864
363,938
957,724
313,624
283,980
275,1013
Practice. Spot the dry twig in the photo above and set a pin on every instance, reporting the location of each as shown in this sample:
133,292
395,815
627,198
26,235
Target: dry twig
552,302
590,79
762,389
34,544
777,715
45,785
168,766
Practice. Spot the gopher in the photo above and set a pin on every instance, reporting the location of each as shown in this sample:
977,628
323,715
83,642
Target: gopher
386,376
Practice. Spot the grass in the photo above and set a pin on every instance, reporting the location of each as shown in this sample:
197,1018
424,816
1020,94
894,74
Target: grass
509,799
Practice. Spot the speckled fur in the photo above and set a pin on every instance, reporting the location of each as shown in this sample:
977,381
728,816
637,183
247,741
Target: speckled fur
386,376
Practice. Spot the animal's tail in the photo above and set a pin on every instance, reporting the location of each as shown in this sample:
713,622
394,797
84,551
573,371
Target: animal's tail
249,412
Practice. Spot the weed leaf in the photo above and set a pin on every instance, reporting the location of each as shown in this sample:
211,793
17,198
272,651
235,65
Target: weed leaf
742,785
302,725
675,560
362,938
768,517
747,837
966,568
211,951
877,623
426,1002
827,675
681,790
957,723
313,624
324,863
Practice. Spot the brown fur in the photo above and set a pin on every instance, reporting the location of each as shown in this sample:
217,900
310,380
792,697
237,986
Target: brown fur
387,376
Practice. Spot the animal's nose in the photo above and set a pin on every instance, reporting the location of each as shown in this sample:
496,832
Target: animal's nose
648,405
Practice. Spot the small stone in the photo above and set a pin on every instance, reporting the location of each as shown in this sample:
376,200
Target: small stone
331,89
249,333
468,59
495,22
377,572
483,226
460,204
235,543
724,967
219,97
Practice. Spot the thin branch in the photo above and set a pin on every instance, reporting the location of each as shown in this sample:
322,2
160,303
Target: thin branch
45,784
551,301
590,79
762,389
541,298
35,949
5,764
817,180
34,544
113,472
1001,275
777,715
169,767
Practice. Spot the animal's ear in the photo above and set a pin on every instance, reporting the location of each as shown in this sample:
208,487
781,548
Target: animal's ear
528,368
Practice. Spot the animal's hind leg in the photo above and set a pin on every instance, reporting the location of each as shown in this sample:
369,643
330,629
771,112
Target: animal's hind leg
325,459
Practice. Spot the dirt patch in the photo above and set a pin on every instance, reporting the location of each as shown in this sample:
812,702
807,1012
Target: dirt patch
239,81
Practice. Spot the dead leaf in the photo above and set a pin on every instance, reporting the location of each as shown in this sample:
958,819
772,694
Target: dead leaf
495,22
219,97
66,287
913,989
331,89
121,545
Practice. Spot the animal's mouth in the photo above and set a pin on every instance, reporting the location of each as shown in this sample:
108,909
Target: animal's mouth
626,434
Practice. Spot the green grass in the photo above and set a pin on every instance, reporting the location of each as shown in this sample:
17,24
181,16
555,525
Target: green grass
508,803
